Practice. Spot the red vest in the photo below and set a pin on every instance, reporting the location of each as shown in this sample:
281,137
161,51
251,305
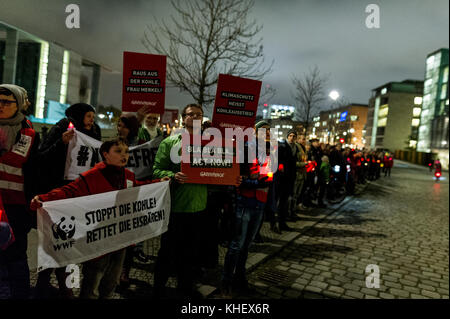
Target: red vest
97,183
11,169
263,170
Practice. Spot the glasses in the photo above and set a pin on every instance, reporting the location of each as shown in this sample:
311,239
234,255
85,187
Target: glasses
194,114
7,102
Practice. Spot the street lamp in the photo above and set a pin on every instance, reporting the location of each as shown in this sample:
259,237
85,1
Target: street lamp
334,95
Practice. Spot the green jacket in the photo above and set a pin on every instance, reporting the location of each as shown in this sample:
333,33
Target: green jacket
186,198
325,171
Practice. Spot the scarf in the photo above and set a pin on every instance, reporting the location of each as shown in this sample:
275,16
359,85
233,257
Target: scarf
9,128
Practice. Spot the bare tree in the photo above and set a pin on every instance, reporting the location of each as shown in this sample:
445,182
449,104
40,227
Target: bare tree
208,37
309,93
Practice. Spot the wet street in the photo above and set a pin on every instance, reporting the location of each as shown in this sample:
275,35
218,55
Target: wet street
400,224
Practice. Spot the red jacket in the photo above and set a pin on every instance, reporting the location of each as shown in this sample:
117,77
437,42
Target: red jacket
388,161
89,183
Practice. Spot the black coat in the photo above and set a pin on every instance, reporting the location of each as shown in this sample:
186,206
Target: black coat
288,160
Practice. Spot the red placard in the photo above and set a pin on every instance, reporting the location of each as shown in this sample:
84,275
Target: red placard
236,102
169,117
213,169
144,82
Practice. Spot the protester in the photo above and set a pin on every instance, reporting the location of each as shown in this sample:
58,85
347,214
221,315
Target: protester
18,155
301,161
100,275
388,162
287,159
324,179
179,245
149,129
250,202
54,150
127,129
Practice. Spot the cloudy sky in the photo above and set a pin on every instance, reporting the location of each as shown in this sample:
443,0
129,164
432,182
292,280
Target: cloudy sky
297,34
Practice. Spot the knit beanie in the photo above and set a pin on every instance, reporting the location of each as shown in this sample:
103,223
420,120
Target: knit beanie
291,132
260,124
131,122
18,93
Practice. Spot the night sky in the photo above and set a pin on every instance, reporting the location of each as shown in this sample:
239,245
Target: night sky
296,34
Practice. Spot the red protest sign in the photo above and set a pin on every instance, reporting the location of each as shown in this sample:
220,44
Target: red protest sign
211,163
144,82
169,117
236,102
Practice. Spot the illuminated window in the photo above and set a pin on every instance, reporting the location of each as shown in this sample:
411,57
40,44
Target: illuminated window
42,80
382,122
64,78
415,122
412,143
353,117
418,100
383,112
317,124
337,121
383,90
416,111
445,75
443,91
324,123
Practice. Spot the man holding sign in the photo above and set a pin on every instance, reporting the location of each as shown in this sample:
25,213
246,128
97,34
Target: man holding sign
179,243
100,275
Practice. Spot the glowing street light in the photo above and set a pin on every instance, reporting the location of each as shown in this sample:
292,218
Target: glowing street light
334,95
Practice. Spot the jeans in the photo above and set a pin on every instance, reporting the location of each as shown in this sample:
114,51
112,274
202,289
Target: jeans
246,224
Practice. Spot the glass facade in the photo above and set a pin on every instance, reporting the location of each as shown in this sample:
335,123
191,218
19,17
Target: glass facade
433,128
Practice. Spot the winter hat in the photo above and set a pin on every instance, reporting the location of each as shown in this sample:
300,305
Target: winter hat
18,93
291,132
131,122
260,124
76,113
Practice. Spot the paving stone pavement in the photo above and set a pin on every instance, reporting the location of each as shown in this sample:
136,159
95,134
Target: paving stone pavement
399,224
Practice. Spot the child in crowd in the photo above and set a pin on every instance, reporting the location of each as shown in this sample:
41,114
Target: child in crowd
100,275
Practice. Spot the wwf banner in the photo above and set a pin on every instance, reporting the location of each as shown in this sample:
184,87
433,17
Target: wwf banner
75,230
83,153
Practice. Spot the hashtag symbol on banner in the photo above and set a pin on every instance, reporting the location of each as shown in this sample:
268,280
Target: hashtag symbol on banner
83,156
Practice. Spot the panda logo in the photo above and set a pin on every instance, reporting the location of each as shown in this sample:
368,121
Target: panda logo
65,229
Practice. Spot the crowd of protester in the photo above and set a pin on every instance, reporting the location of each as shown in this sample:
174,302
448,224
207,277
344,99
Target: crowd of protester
202,216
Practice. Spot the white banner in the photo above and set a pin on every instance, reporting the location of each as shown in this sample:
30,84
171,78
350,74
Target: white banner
83,154
75,230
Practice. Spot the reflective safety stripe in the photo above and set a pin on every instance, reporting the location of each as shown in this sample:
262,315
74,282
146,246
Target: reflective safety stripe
11,185
11,169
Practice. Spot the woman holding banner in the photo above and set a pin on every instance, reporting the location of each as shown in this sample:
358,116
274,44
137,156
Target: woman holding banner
54,149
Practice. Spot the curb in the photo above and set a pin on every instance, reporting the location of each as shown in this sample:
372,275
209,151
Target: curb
255,259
